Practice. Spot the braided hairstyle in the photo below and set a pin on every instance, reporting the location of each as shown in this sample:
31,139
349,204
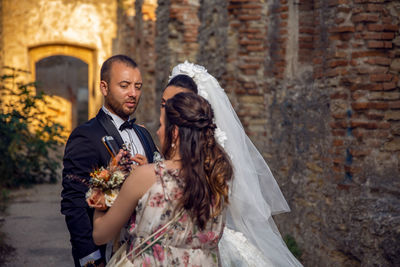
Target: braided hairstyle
206,168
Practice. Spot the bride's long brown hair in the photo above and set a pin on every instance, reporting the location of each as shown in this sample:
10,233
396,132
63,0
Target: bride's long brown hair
206,167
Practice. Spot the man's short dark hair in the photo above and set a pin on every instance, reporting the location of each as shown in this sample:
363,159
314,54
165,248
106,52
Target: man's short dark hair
106,67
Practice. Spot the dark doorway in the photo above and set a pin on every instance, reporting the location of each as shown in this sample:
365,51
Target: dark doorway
66,77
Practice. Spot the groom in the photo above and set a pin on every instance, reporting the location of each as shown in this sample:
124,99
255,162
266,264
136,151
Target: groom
121,86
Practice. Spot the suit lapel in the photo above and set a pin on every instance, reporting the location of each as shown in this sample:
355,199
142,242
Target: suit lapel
144,142
109,127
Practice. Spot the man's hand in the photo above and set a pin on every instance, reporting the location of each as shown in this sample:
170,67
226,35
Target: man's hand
123,161
139,159
127,162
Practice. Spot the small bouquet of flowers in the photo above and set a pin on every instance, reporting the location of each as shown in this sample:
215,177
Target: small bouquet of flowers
105,183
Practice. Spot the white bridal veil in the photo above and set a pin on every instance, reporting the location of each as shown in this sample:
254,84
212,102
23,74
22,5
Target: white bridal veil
255,195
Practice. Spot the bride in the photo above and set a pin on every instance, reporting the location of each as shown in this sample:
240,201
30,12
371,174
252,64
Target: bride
251,237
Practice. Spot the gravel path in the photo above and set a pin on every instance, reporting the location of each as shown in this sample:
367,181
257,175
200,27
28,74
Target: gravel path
35,227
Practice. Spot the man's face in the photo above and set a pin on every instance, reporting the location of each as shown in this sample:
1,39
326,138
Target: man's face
122,93
170,91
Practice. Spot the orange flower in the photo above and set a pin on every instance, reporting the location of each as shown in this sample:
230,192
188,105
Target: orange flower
104,175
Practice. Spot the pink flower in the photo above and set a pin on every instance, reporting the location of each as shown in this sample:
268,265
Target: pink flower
189,239
211,235
158,252
184,218
105,175
157,200
204,238
132,222
186,258
146,262
176,193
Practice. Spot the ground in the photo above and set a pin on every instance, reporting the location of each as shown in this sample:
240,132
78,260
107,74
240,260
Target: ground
34,226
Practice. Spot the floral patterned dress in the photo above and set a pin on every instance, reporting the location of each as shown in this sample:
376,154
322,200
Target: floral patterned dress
182,243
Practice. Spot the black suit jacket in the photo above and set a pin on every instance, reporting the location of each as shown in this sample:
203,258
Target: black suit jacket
84,152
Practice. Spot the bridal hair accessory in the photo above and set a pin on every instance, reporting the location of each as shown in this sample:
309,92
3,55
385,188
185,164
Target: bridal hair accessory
200,75
254,194
220,136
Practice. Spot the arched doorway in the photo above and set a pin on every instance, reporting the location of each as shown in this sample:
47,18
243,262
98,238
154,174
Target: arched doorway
67,73
65,77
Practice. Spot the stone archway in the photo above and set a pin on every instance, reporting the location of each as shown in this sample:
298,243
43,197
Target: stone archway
61,106
65,78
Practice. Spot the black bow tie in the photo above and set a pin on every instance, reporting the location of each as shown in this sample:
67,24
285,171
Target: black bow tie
127,125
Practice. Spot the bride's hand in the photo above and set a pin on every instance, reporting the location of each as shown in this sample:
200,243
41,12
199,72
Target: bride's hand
97,200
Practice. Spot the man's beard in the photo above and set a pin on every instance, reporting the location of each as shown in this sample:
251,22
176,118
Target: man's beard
117,108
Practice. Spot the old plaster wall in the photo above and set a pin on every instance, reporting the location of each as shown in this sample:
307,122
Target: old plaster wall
86,24
1,33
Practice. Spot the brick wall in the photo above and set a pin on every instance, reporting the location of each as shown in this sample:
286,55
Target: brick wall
245,65
176,39
334,133
213,36
162,46
136,38
316,85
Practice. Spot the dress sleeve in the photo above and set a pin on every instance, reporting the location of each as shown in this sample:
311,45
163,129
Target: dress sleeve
160,170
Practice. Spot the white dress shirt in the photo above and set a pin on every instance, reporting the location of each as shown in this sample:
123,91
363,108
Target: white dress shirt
132,141
129,136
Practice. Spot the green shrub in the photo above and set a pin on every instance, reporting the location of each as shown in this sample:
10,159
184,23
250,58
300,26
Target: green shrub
292,245
4,197
29,138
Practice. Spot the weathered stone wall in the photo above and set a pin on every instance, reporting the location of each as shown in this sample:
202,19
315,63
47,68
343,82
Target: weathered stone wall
245,78
147,63
176,39
162,47
124,42
316,85
136,38
1,34
333,132
88,24
213,36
